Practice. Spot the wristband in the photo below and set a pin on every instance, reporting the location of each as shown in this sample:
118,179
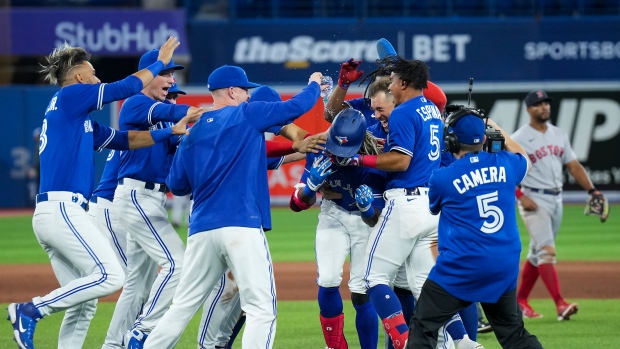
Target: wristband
518,193
278,149
156,67
368,213
309,192
592,191
368,161
300,204
160,135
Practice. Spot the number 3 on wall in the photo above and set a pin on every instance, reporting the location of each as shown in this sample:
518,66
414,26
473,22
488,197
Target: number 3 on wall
486,210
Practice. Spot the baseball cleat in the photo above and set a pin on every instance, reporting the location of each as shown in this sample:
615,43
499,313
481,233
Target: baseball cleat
565,311
484,327
134,339
528,312
23,325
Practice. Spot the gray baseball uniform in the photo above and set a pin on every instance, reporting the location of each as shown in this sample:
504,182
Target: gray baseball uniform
548,153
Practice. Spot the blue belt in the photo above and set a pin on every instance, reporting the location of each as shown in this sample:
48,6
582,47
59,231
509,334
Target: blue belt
151,186
44,197
555,191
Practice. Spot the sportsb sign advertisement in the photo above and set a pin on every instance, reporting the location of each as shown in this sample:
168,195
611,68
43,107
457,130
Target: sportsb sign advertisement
488,49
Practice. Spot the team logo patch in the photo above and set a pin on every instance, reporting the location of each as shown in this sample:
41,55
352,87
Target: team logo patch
476,140
474,159
540,94
342,139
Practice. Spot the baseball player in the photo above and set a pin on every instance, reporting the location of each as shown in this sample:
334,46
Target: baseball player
83,261
382,103
540,200
477,232
231,205
340,231
140,200
413,153
222,317
106,218
180,204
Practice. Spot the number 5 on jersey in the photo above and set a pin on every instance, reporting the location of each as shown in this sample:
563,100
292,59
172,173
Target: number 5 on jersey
486,209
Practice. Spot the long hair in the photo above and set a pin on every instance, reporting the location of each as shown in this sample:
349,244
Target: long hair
60,61
370,146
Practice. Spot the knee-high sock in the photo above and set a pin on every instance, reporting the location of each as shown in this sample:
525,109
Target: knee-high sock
469,316
550,277
455,328
366,323
330,301
529,275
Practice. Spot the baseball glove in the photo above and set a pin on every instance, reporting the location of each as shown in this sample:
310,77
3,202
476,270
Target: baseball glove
597,205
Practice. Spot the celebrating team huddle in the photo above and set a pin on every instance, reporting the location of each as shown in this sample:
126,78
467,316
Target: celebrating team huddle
426,216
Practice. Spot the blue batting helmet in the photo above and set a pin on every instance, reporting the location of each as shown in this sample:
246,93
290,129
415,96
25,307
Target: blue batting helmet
347,133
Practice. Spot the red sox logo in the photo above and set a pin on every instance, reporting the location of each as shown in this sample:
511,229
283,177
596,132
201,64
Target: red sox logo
342,139
540,94
546,150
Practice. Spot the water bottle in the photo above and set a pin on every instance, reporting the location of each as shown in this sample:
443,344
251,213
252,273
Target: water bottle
326,79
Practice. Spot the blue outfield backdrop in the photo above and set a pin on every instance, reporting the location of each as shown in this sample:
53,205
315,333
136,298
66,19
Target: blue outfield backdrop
559,49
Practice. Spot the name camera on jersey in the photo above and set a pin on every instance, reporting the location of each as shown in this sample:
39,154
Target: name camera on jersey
495,140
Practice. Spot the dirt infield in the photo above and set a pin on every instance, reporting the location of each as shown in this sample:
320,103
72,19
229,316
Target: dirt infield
296,281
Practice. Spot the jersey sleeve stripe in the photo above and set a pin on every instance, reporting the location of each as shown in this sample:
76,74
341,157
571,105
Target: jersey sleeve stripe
403,150
151,112
100,97
107,141
279,163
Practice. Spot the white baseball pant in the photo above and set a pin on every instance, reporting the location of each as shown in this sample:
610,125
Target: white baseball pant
82,260
143,214
220,313
246,252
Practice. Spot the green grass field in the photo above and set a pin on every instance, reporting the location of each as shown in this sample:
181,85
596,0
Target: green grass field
581,239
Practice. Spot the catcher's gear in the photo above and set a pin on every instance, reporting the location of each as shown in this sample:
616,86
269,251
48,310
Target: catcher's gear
318,173
349,73
597,205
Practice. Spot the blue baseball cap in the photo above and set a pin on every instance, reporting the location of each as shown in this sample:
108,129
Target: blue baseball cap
151,57
175,89
265,94
469,129
229,76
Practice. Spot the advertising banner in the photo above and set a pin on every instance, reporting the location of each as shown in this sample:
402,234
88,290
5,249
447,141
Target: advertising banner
107,32
491,50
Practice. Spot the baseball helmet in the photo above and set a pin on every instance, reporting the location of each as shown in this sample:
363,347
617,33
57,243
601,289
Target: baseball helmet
347,133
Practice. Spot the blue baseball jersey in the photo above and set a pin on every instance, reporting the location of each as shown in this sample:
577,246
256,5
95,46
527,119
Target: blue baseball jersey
415,130
479,243
150,164
222,162
363,106
69,136
274,163
346,179
109,178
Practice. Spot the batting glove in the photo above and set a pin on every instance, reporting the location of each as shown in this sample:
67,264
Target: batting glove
364,197
349,73
318,173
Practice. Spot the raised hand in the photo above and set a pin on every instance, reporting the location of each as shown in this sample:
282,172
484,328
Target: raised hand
349,73
364,197
318,173
167,49
316,77
311,144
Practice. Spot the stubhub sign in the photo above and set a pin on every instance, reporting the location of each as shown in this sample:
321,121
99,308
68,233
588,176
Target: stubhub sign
106,32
